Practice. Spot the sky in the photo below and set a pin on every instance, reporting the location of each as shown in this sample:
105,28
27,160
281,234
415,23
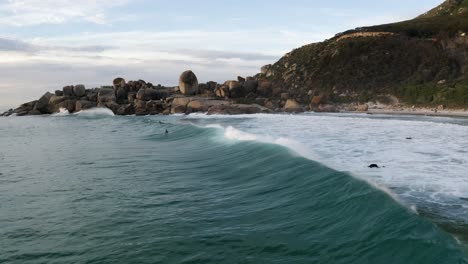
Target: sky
48,44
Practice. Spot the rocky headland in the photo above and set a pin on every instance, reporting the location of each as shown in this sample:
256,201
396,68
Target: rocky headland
414,66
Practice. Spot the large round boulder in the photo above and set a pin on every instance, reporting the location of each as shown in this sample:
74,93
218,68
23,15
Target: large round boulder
188,83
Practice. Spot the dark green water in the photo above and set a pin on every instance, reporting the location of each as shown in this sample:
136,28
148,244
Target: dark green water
101,189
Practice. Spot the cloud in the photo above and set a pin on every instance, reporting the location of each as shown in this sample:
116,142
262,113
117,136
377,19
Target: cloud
217,54
37,12
14,45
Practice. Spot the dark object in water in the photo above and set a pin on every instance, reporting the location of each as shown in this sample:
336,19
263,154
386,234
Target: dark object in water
167,132
374,166
409,138
160,122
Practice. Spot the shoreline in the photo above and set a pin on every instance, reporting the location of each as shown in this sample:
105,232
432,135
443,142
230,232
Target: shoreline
419,112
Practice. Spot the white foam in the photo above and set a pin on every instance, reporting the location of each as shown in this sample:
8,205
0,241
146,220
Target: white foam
430,168
100,111
62,112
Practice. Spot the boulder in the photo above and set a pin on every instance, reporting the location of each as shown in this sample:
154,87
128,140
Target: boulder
265,69
113,106
68,91
118,83
284,96
121,95
235,89
293,106
54,102
58,93
69,104
131,97
79,90
250,86
317,100
155,107
441,107
127,109
179,105
92,95
211,86
106,95
240,79
265,88
8,113
327,109
25,108
140,107
362,108
188,83
83,105
42,104
148,94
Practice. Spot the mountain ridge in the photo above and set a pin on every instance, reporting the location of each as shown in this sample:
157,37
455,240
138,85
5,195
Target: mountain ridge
421,61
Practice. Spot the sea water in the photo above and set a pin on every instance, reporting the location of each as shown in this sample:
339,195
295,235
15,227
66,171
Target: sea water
96,188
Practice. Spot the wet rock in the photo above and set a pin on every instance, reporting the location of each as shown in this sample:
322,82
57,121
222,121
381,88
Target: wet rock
25,108
84,105
42,104
8,113
127,109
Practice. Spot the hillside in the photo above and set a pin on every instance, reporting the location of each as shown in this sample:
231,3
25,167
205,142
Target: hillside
421,61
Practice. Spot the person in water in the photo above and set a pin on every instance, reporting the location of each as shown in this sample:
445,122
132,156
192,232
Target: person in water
167,132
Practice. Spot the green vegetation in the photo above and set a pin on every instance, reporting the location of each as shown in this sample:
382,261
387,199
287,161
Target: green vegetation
453,96
406,59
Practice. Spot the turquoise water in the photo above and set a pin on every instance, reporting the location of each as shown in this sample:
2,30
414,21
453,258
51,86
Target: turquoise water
102,189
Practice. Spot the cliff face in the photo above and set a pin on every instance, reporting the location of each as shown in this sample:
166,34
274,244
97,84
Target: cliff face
421,61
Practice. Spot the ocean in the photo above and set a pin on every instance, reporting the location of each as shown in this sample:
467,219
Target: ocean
97,188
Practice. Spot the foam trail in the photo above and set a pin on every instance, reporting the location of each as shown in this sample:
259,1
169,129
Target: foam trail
96,112
62,112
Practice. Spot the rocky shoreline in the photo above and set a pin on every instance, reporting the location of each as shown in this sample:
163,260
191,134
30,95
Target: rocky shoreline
249,95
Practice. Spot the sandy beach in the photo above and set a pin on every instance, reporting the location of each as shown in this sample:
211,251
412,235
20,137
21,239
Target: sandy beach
420,112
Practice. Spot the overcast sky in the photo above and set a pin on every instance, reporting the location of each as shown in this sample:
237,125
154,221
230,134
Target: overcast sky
46,44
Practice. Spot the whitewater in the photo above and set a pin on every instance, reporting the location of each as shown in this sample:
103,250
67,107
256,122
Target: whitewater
423,160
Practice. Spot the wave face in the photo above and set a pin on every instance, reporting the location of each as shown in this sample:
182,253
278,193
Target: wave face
104,189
